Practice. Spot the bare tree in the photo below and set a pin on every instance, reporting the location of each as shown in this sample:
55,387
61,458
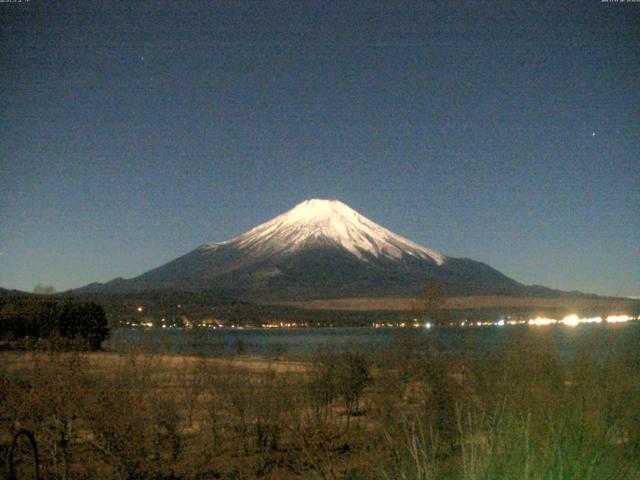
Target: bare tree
431,302
44,289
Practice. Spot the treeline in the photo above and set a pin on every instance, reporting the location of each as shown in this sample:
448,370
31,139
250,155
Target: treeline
198,306
211,305
31,317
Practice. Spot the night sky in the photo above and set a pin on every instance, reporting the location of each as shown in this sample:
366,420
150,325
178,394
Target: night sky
132,132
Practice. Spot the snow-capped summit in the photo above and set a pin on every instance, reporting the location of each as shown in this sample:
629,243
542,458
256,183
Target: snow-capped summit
332,222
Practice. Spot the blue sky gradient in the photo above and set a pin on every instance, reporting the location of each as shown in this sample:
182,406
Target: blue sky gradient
132,132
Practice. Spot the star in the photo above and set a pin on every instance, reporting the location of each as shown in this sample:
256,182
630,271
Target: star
593,134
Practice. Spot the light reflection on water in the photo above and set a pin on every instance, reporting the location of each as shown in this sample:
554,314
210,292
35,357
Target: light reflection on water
604,337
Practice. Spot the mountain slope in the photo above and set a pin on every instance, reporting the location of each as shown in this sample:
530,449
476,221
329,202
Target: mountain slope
319,249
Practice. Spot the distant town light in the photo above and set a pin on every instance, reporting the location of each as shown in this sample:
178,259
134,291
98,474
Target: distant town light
571,320
539,321
592,320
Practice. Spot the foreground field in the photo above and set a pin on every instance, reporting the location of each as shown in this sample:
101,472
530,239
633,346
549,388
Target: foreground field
523,412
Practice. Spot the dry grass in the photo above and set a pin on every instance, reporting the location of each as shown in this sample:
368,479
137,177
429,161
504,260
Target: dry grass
524,412
471,302
106,361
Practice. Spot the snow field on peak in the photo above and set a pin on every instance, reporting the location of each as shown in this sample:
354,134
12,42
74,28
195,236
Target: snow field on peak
329,220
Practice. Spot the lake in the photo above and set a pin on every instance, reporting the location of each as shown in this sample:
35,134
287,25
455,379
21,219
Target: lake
302,341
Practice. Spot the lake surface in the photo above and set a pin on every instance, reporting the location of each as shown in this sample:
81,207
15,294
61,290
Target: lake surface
299,341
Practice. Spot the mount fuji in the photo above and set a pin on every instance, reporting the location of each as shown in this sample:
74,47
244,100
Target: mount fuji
320,249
